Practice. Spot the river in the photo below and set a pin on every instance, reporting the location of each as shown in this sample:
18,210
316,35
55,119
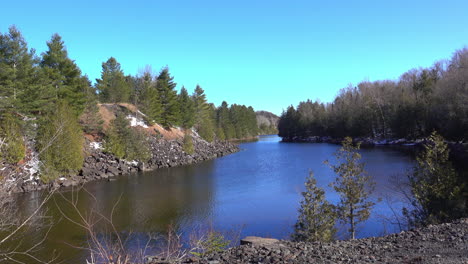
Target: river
253,192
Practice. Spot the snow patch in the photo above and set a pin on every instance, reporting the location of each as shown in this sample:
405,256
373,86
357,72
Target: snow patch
62,178
133,162
96,145
32,165
136,121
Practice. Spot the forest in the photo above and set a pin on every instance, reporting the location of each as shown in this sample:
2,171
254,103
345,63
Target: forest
47,104
419,102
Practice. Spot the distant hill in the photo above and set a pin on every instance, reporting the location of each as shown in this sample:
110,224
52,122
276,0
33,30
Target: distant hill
267,122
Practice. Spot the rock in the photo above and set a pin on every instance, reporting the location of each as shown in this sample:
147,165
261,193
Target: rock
258,241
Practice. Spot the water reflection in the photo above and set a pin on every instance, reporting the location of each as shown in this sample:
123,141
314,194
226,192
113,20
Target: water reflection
257,188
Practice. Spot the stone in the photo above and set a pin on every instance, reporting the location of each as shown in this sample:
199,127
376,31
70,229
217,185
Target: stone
258,241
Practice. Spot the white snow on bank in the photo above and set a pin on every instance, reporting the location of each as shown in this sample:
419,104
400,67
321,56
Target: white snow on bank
96,145
133,162
136,121
32,165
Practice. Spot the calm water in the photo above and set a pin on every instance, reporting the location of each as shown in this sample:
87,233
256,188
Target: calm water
256,191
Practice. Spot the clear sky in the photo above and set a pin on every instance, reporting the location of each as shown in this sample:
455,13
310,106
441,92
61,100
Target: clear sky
268,54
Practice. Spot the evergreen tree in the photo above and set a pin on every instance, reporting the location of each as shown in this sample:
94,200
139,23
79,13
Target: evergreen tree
353,185
125,142
168,98
224,121
150,101
435,186
201,107
63,75
187,116
113,87
60,143
22,86
317,217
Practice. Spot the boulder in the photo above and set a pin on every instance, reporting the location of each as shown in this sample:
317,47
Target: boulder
257,241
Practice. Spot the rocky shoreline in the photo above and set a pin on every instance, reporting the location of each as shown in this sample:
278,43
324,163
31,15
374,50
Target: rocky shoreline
99,165
445,243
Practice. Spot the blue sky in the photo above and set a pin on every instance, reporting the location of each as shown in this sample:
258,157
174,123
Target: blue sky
268,54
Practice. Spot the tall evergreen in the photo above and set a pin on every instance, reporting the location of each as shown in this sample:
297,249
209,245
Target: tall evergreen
149,102
187,115
353,185
22,86
203,121
112,86
224,121
63,75
168,97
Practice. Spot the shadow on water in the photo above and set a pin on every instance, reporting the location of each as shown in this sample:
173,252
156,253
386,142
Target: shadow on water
257,189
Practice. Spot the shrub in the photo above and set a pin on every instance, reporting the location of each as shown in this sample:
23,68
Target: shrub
13,149
60,143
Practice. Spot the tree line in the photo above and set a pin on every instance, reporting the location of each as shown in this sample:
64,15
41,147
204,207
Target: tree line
418,102
46,102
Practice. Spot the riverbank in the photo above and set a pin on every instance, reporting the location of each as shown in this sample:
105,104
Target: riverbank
445,243
458,150
99,165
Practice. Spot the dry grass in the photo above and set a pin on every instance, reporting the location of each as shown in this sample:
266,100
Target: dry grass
107,115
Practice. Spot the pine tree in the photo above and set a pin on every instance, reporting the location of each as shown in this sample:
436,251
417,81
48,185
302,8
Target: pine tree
200,105
168,97
187,116
150,101
223,120
353,185
435,186
316,221
21,83
63,75
113,87
60,143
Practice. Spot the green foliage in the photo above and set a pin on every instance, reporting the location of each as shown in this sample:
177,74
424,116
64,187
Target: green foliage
204,123
353,185
214,242
187,109
125,142
165,85
188,143
316,221
63,75
236,122
150,101
113,87
60,143
12,148
23,86
435,186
